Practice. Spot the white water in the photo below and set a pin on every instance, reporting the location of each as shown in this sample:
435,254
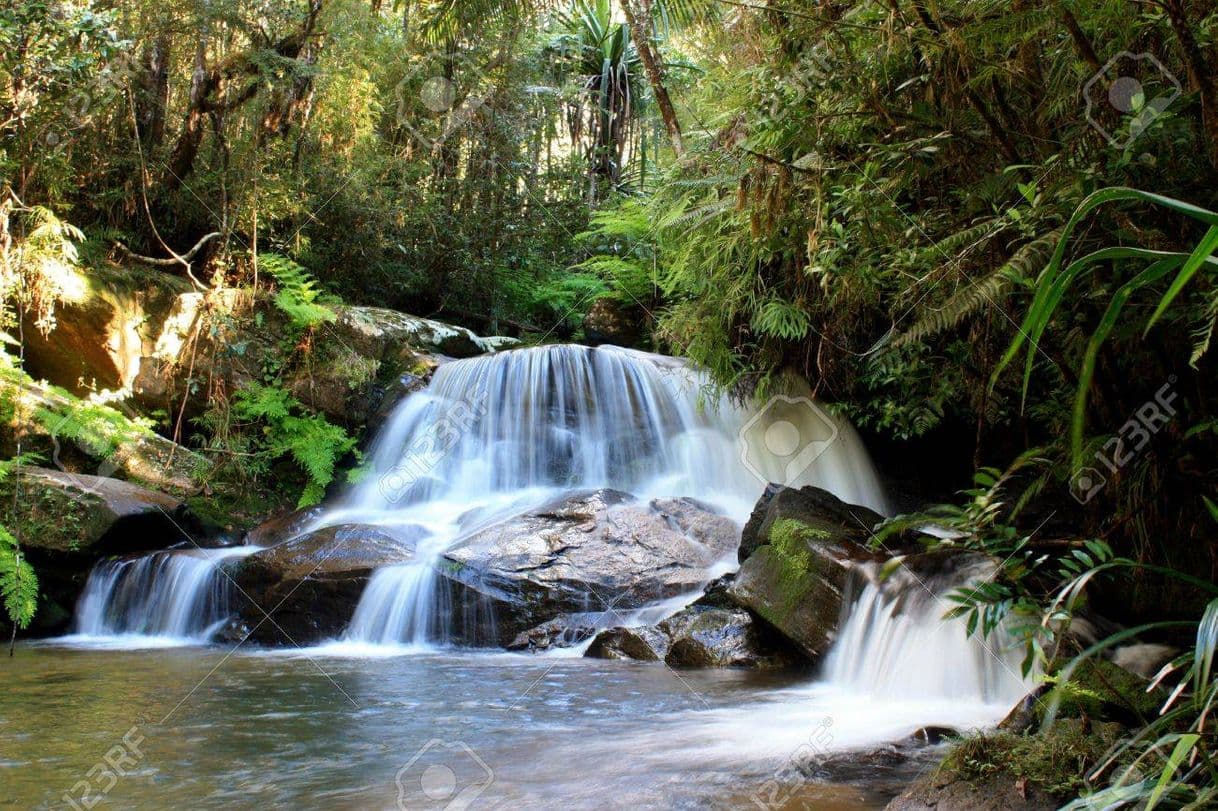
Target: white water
497,435
897,666
163,599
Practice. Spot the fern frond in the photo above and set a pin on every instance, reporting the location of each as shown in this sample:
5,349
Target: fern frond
1022,266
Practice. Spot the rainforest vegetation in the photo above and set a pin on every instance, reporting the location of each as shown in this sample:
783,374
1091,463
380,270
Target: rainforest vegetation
984,230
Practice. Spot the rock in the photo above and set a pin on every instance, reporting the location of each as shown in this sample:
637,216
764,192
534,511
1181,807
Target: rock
115,444
696,636
284,527
110,318
1143,659
1005,771
561,632
700,636
383,399
817,509
354,363
644,644
312,583
589,550
67,522
611,322
803,545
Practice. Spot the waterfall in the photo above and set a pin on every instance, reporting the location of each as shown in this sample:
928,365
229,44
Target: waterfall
897,644
174,595
496,435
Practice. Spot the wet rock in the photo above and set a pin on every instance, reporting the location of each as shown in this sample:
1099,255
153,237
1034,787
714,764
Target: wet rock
312,583
283,527
819,510
67,522
566,631
590,550
644,644
798,549
700,636
697,636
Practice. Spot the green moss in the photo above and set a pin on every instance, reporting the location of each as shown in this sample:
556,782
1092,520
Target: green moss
790,554
1100,689
1056,760
48,517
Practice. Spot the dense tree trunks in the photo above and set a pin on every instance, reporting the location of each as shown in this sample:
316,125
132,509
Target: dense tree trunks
638,16
209,99
1200,75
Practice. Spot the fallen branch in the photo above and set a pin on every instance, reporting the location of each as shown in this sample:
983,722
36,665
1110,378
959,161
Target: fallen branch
183,260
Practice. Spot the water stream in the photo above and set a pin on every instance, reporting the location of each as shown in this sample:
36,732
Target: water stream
391,716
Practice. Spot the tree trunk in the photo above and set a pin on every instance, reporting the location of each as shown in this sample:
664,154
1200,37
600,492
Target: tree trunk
1200,76
153,98
638,16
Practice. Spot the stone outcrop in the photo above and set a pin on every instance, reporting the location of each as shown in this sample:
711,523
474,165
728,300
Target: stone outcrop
311,583
798,550
589,551
66,522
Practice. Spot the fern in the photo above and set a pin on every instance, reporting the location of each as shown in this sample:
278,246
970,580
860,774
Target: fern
1023,265
299,294
782,319
18,582
310,440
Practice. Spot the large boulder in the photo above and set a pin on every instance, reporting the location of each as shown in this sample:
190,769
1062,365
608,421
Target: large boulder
109,318
357,364
311,583
599,550
96,440
799,549
66,522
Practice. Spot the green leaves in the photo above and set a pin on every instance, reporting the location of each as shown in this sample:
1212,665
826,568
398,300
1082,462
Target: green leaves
298,292
18,582
311,441
1055,281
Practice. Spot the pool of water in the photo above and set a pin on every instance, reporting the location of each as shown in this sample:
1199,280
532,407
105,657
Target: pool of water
200,727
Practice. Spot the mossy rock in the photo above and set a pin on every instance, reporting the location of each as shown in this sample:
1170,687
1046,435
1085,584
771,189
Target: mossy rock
1098,689
1005,770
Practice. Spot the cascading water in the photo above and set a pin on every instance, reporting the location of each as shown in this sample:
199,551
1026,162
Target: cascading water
173,596
499,434
896,644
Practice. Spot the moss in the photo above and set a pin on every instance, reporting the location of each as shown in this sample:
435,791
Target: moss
789,544
1056,760
1100,689
48,517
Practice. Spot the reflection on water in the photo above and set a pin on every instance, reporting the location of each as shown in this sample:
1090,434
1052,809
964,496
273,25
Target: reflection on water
217,729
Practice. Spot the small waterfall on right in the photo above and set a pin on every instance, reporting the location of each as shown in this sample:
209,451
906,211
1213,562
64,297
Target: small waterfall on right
896,644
